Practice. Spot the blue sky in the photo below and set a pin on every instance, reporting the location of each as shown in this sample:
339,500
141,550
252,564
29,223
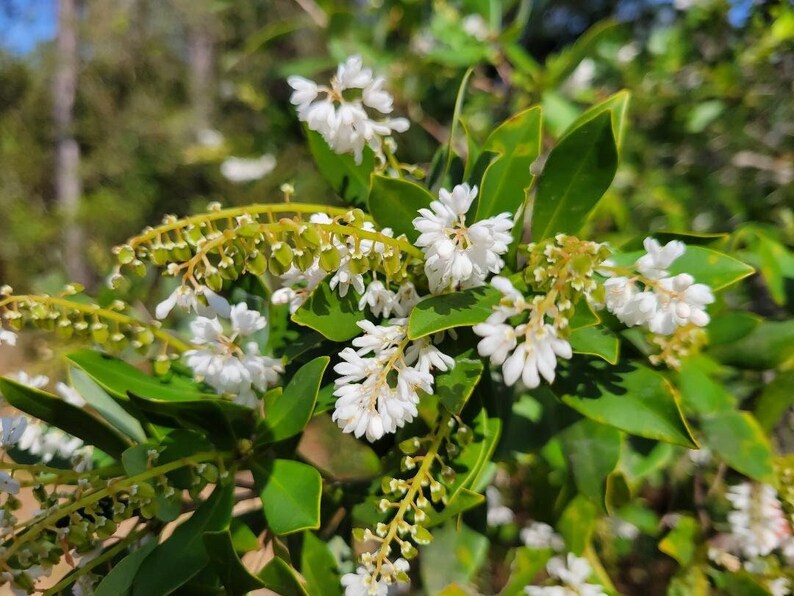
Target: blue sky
25,23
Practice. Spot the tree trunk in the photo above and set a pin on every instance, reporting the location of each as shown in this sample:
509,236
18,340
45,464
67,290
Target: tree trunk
68,187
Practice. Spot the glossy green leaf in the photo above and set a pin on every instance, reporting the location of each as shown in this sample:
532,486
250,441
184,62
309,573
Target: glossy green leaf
527,564
680,542
618,491
454,387
505,183
464,308
592,451
637,400
331,315
740,441
577,173
282,579
234,575
348,179
337,455
699,392
691,581
183,555
243,538
562,65
595,341
110,410
775,400
576,524
395,202
463,500
73,420
119,579
731,327
291,496
618,104
118,378
767,346
439,569
288,412
318,567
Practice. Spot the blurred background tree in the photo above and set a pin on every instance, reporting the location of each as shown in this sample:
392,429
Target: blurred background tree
168,91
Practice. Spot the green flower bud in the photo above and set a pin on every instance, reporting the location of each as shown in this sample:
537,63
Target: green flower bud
310,235
99,332
282,253
125,254
161,365
330,259
64,329
303,259
256,263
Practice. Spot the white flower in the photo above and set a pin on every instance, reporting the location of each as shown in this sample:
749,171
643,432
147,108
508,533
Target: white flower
536,356
37,381
8,337
498,514
538,535
362,582
407,297
573,572
378,386
457,255
351,113
758,523
499,340
187,298
70,395
476,26
780,586
298,285
12,429
658,259
7,484
681,301
226,366
381,300
247,169
209,137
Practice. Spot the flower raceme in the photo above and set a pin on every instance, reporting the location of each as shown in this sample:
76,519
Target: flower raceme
350,114
458,255
227,364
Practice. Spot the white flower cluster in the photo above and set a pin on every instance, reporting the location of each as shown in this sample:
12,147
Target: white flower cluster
666,302
362,583
227,366
377,390
349,273
200,299
343,112
573,572
458,255
758,524
537,535
7,337
498,514
39,439
247,169
537,354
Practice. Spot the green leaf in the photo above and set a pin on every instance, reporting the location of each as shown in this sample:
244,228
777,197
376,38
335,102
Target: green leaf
618,491
291,496
439,569
740,441
463,500
234,575
395,202
505,183
464,308
117,378
318,566
454,387
183,555
119,579
73,420
243,538
473,457
223,421
730,327
282,579
328,313
576,524
767,346
577,173
775,400
637,400
691,581
348,179
287,413
699,392
592,451
595,341
110,410
561,66
680,542
338,456
618,104
527,564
